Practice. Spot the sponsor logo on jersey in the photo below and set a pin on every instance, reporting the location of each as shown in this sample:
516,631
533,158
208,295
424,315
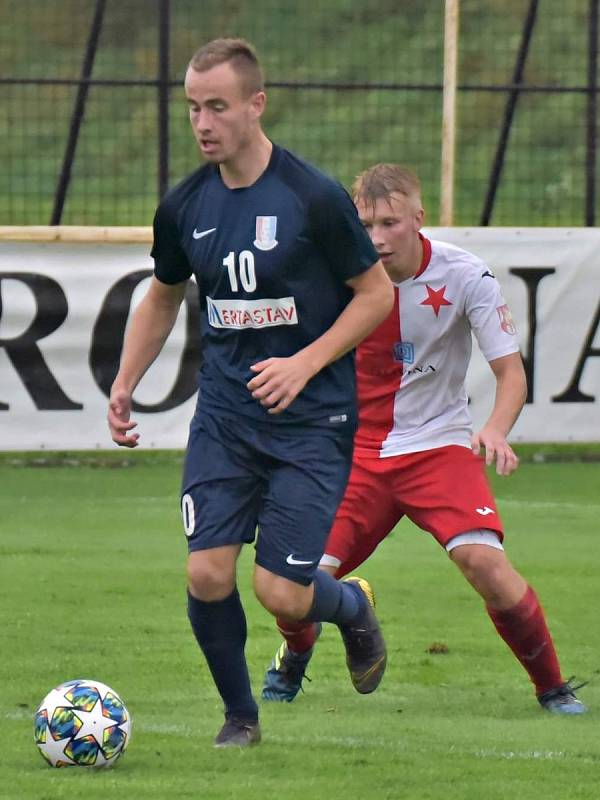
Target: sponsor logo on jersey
421,369
405,352
485,511
487,274
506,321
266,230
252,313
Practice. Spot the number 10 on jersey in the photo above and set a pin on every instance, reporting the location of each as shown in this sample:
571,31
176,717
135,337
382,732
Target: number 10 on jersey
245,270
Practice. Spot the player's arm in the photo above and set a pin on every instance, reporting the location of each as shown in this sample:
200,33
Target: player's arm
150,326
511,393
280,380
371,304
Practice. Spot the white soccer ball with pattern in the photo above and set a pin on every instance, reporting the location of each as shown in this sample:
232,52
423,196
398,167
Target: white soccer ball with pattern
82,723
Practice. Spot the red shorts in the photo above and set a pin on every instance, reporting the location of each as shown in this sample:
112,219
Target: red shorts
444,491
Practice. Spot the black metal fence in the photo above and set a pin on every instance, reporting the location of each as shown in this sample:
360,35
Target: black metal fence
94,128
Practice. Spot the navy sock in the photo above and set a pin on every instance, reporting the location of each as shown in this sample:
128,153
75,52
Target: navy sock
220,630
335,601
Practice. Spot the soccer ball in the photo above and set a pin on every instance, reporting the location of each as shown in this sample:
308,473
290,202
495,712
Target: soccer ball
82,723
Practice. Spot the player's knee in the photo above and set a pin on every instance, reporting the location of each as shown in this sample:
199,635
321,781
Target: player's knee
480,563
208,582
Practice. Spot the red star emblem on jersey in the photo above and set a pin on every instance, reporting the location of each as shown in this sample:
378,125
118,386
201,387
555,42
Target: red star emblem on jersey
435,298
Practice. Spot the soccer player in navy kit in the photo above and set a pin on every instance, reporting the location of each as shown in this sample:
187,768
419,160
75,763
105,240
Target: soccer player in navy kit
289,283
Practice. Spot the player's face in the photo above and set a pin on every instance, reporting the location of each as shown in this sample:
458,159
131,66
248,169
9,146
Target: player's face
393,224
225,120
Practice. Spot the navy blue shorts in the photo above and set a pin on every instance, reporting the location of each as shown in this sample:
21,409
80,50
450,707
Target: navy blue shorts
287,483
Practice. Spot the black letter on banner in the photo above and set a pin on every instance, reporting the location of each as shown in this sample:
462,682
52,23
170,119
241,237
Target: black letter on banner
107,342
572,393
532,277
23,352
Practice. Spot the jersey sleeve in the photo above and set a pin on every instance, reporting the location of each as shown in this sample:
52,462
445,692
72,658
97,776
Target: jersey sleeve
489,316
171,264
340,233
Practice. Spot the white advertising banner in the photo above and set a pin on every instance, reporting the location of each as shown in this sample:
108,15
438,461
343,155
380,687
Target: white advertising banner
64,306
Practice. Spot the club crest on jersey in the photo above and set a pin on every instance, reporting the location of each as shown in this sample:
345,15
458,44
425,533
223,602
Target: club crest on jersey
506,321
404,352
266,230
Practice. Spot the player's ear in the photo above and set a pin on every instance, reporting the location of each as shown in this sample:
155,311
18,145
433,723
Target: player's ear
419,219
258,103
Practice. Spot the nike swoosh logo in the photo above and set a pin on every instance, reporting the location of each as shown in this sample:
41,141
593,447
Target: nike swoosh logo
199,234
291,560
484,511
535,653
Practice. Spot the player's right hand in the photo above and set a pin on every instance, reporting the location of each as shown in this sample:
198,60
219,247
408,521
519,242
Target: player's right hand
497,449
119,410
278,381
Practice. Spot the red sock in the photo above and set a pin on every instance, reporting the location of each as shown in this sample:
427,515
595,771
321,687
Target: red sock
524,630
300,636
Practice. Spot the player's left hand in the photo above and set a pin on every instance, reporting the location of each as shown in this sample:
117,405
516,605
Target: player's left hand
279,381
496,449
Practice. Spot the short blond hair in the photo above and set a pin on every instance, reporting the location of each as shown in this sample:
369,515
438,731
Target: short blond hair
237,52
382,180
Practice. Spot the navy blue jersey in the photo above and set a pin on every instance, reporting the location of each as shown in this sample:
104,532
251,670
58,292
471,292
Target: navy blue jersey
270,261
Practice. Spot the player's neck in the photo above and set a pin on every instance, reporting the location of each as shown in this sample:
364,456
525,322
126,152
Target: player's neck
248,165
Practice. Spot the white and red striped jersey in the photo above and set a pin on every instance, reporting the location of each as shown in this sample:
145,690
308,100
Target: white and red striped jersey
411,369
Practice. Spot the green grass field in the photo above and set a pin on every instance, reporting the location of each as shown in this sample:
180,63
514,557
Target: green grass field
92,585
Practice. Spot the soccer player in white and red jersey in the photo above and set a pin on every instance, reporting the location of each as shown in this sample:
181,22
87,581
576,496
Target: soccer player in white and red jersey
415,454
